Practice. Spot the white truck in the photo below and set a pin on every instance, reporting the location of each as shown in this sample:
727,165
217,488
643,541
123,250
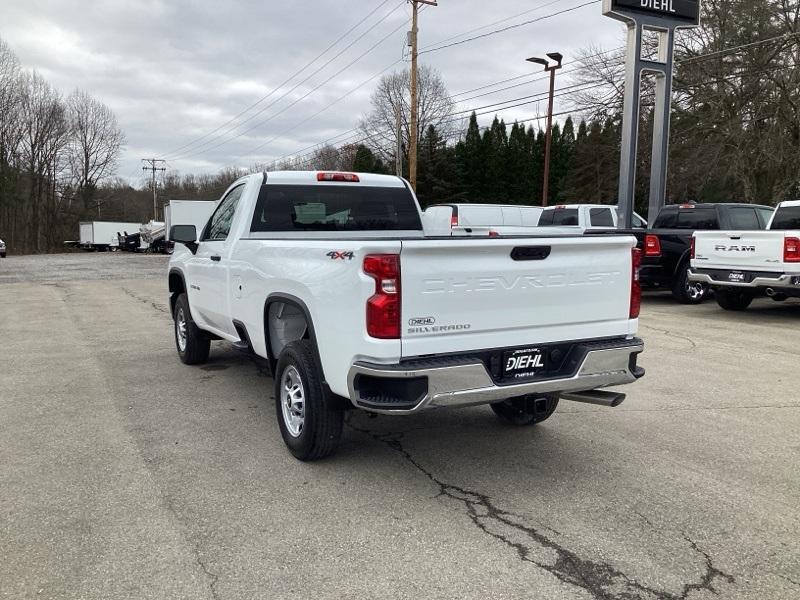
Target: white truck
743,265
187,212
329,277
480,219
102,235
585,216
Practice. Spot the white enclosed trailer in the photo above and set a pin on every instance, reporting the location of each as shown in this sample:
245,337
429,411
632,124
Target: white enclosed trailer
102,235
188,212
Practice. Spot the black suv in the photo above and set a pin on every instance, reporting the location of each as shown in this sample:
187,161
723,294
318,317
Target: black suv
667,246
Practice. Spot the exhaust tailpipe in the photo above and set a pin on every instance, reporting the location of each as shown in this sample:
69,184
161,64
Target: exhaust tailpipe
598,397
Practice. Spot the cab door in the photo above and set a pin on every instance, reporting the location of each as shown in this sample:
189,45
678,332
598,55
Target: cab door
208,268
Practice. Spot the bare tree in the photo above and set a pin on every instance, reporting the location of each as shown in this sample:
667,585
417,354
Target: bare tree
392,96
96,144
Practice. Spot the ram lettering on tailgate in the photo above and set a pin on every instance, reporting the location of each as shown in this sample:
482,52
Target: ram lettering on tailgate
522,282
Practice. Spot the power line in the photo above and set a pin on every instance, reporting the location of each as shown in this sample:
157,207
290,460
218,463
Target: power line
510,27
285,94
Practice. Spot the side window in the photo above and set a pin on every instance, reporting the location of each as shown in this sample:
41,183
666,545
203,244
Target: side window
743,218
220,224
601,217
764,215
546,218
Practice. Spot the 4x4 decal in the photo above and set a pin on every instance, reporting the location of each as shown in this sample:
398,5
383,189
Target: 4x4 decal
340,255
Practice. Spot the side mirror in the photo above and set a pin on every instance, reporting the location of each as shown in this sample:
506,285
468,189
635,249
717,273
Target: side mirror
186,235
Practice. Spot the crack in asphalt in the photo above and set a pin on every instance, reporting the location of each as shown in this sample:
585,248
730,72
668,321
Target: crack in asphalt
669,333
601,580
159,307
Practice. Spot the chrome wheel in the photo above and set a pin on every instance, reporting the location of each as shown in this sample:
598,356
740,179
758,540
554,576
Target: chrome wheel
695,290
293,401
180,329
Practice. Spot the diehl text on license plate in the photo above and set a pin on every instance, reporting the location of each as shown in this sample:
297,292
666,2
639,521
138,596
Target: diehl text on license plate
518,364
736,276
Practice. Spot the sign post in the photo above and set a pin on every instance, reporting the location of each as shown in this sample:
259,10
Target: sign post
661,17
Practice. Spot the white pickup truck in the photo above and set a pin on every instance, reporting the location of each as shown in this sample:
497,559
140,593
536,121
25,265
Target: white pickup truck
742,265
329,277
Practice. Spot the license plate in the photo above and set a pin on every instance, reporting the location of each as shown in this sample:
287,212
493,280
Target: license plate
519,364
736,277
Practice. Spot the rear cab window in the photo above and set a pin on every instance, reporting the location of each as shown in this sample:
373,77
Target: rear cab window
743,218
296,208
696,219
601,217
787,217
559,217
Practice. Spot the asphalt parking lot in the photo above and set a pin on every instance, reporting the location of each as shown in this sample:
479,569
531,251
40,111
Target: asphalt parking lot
125,474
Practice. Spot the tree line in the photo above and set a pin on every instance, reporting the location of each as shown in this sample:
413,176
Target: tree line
55,153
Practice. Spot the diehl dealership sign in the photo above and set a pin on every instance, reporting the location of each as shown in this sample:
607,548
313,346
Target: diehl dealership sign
679,10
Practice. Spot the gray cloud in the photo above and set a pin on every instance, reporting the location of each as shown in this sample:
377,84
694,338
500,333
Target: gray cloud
173,70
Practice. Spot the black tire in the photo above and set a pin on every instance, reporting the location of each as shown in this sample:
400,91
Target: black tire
733,299
526,410
688,292
195,346
2,255
319,429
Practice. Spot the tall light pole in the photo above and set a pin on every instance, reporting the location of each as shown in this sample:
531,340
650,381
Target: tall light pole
412,152
551,68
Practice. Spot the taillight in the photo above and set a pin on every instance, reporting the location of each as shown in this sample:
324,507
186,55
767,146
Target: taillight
383,308
454,221
493,234
348,177
636,285
692,248
652,245
791,250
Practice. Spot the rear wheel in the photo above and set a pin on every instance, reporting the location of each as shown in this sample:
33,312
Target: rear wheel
192,344
309,420
688,292
733,299
526,410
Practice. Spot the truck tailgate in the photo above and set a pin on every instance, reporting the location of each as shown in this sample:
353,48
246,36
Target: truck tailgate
461,295
756,250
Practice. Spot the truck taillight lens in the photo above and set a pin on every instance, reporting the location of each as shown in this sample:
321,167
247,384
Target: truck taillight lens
692,248
454,221
652,245
383,308
791,250
636,285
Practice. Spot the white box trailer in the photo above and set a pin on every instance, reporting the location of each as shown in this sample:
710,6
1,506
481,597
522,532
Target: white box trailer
102,235
188,212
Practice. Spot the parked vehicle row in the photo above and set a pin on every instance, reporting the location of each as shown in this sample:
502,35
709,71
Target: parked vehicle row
667,246
331,280
743,265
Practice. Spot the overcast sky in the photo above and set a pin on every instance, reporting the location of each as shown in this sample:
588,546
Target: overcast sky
175,70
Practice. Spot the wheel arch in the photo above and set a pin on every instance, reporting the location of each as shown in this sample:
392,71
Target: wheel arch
310,332
177,286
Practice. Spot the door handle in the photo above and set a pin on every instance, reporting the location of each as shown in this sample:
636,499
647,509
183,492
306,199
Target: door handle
216,258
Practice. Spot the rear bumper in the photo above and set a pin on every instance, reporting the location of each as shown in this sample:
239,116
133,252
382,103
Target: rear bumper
778,281
464,381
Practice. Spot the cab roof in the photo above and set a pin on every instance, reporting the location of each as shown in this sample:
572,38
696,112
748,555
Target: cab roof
311,178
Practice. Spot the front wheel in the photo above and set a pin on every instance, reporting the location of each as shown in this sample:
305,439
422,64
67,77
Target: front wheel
193,346
310,423
733,299
688,292
526,410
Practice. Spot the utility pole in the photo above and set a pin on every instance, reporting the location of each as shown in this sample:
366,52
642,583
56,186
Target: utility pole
412,153
550,68
151,164
399,149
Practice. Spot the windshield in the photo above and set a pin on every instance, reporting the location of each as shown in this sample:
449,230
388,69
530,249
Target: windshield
335,208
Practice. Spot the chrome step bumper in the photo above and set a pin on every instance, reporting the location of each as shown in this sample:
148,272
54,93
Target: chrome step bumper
779,281
466,382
